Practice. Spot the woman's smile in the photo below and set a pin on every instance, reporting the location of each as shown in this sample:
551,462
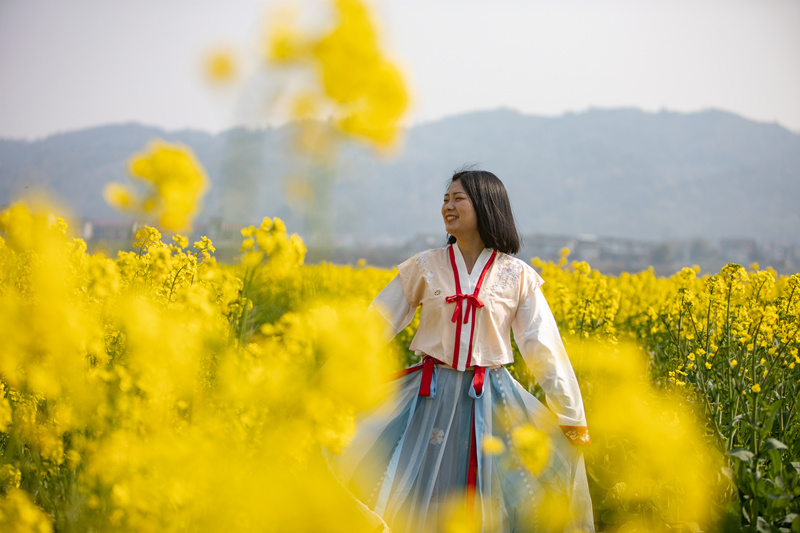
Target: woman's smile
458,212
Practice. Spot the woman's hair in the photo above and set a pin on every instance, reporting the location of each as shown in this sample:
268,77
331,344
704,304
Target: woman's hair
496,224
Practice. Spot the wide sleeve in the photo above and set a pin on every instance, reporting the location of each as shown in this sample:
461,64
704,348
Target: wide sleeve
391,305
540,344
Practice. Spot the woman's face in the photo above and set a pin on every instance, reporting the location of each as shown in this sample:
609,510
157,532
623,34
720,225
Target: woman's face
459,216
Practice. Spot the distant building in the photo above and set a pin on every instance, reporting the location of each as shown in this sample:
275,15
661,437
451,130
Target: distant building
740,251
107,230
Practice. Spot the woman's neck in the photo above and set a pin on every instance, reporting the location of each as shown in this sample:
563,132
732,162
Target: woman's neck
471,249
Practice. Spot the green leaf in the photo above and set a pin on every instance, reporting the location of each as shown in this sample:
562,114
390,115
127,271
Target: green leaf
743,454
773,444
727,472
773,407
609,517
774,496
764,527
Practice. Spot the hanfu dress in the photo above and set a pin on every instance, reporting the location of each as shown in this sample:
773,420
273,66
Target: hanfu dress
409,459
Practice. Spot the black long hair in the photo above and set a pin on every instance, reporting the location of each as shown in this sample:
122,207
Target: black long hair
489,198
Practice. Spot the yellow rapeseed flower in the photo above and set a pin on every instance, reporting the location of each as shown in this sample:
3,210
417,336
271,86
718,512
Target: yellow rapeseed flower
582,267
180,241
493,445
73,459
659,433
176,180
19,513
220,66
365,90
119,196
286,44
10,477
174,183
532,447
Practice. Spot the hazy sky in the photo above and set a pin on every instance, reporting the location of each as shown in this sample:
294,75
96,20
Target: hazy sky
69,64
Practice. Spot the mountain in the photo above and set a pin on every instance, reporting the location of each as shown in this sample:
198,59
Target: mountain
619,173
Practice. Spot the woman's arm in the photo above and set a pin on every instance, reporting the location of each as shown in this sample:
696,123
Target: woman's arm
391,305
540,344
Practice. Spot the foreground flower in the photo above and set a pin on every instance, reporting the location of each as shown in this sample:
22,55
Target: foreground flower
493,445
174,183
220,66
365,90
533,447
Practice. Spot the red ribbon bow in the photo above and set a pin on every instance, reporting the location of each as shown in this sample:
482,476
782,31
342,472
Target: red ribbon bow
473,303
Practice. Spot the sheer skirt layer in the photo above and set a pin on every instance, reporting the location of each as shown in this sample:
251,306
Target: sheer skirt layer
409,460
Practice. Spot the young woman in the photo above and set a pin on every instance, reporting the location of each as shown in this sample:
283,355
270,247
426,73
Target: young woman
462,430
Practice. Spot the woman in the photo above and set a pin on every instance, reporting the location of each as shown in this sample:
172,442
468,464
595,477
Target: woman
463,429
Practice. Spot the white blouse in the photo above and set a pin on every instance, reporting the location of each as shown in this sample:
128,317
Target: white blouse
533,324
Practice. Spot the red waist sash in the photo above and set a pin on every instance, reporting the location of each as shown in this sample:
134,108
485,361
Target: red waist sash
427,365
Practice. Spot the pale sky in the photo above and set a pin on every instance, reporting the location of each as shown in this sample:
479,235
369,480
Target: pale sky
70,64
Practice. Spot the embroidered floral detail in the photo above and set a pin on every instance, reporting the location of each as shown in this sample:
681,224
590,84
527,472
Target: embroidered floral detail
436,436
437,292
577,434
495,502
421,260
509,271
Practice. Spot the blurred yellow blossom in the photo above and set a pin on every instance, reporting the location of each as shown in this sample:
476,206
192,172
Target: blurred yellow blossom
174,183
119,196
143,383
532,447
366,91
10,476
18,514
220,66
658,433
493,445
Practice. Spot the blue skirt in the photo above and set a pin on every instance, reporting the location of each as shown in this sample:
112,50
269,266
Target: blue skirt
409,461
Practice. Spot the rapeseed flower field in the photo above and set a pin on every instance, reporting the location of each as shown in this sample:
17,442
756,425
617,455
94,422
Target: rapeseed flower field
163,391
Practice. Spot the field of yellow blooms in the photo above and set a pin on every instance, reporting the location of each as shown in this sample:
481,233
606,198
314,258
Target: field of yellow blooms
725,348
147,393
161,391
